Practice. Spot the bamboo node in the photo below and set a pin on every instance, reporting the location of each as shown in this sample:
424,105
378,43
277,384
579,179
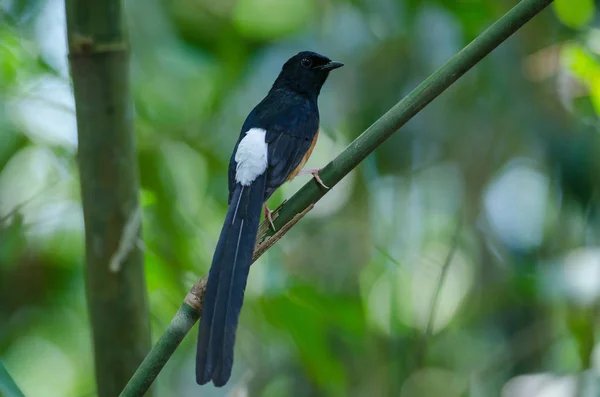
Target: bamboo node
81,44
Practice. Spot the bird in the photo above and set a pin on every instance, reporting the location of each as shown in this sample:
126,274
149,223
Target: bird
275,142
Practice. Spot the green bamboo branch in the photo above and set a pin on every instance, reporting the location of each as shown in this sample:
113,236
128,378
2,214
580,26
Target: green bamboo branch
8,387
115,284
300,203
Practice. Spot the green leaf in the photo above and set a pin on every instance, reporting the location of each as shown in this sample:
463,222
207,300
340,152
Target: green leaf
585,67
8,387
308,323
574,13
581,324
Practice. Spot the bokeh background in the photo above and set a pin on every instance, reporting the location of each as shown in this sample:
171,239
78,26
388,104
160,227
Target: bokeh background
460,259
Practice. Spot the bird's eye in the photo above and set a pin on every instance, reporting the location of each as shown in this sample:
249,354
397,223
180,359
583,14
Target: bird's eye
306,62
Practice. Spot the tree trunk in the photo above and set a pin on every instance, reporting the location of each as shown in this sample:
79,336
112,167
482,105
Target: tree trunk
115,284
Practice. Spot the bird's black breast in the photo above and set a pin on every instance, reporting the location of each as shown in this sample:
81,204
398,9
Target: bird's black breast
292,122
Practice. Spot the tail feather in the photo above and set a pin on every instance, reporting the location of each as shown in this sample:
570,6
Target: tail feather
226,284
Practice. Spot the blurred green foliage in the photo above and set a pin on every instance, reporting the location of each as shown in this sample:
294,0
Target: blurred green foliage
341,306
575,13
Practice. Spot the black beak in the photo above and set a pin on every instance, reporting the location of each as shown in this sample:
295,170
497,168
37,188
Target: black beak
331,65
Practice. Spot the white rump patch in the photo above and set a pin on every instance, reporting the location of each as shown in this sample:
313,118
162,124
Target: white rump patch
251,156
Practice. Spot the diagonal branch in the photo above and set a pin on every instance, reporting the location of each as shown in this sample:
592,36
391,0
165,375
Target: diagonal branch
301,202
8,387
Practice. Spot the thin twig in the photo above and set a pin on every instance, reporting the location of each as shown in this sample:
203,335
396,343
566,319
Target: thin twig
8,387
268,241
387,255
128,240
438,288
436,296
27,201
195,297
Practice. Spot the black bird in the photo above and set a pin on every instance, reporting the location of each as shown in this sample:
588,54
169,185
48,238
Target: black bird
276,140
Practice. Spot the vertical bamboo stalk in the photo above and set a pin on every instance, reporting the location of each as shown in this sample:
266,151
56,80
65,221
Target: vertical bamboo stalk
115,284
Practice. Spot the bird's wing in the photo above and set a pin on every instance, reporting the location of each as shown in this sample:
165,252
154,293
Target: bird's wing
285,153
291,126
288,141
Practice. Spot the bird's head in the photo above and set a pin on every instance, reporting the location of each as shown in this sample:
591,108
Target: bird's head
305,73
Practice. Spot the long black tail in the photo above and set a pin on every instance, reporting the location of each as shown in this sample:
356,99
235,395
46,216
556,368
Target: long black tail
226,284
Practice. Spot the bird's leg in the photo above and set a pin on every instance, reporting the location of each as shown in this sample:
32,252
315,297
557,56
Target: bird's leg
268,217
315,174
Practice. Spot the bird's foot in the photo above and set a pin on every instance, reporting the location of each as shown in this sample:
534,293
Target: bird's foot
315,174
269,218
